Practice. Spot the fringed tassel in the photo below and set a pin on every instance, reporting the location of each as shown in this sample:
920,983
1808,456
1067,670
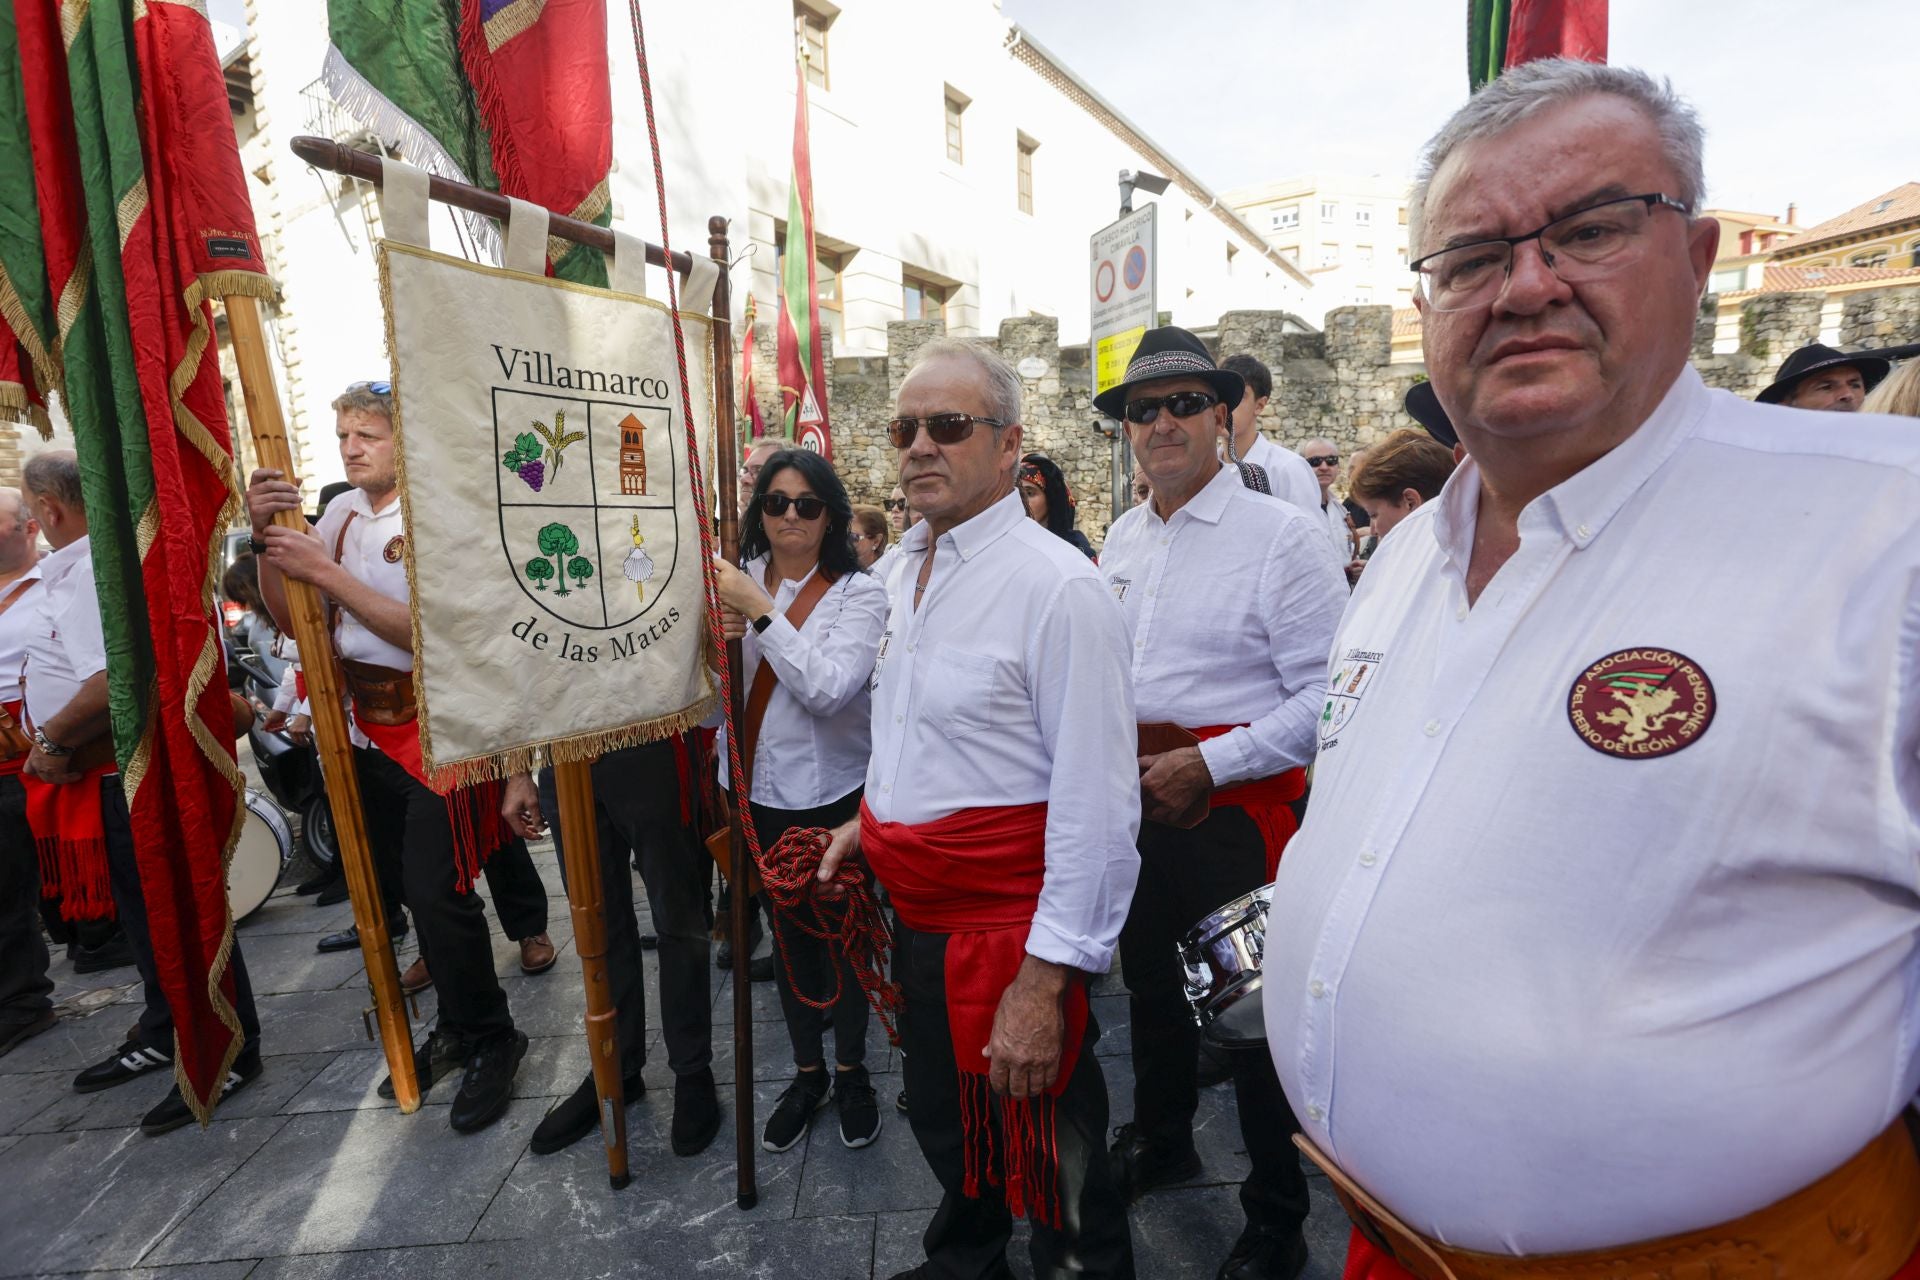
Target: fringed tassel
75,871
478,830
1024,1163
448,777
484,76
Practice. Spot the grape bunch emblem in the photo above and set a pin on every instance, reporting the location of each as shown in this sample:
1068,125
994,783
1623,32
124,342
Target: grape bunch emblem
536,455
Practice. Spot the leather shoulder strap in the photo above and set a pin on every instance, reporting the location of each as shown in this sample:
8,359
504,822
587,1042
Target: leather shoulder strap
761,691
339,549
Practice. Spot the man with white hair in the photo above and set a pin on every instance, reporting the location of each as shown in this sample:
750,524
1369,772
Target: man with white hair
1596,955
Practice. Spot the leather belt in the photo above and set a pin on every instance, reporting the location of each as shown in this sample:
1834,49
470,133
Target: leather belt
14,742
381,695
1860,1222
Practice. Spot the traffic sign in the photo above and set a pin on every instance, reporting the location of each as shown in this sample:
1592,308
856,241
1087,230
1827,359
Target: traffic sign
1122,293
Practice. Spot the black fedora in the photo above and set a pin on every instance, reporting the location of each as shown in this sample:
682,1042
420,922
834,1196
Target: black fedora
1170,352
1424,404
1812,359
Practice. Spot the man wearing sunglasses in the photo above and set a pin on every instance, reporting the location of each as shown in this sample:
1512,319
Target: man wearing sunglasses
1324,457
1000,810
1570,965
1231,599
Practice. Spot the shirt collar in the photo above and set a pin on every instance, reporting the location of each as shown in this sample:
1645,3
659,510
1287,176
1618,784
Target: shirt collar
1210,504
362,505
971,537
1585,503
21,583
56,565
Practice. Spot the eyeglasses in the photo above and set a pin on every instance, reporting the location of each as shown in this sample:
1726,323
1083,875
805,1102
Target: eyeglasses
896,504
1329,460
942,428
1577,248
859,536
379,388
807,506
1181,404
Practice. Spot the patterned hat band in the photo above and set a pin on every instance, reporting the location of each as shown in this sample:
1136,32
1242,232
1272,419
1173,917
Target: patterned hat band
1168,364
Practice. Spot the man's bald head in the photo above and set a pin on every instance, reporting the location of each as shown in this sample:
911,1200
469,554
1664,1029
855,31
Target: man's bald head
19,533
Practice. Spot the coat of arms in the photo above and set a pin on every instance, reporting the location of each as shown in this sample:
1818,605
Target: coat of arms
1344,690
586,490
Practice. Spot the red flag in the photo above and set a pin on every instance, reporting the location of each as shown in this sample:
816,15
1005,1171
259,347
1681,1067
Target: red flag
802,344
746,375
1557,29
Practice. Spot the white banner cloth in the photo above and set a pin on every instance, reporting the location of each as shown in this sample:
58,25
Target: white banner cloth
552,546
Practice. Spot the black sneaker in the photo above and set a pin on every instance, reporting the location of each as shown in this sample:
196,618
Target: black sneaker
129,1060
1140,1164
115,953
333,894
1265,1254
808,1093
172,1112
488,1084
859,1114
577,1115
13,1033
433,1059
696,1112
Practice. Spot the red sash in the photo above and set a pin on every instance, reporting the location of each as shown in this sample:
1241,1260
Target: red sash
976,875
473,810
17,711
1367,1261
1268,801
70,835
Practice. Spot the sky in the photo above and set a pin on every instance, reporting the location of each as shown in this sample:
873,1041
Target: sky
1801,103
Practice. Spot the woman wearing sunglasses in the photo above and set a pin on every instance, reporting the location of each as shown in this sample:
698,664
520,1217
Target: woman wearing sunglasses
1044,493
809,618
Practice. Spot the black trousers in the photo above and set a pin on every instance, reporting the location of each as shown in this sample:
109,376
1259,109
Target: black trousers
25,989
812,960
513,883
123,871
967,1239
636,806
409,829
1184,876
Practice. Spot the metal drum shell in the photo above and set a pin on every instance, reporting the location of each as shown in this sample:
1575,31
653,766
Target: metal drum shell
258,857
1220,959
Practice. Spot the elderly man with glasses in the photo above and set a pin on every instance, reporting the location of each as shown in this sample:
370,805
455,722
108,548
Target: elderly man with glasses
1596,956
1001,805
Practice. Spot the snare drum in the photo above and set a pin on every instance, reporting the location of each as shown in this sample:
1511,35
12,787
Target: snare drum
265,843
1220,957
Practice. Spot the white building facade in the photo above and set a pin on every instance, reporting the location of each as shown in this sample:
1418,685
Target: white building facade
1349,233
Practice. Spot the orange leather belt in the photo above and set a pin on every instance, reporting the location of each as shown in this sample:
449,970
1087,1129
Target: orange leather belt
381,695
1860,1222
14,742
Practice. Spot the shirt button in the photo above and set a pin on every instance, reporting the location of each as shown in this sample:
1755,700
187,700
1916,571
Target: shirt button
1461,613
1318,988
1368,859
1433,727
1139,644
909,648
899,719
1583,531
887,787
1315,1113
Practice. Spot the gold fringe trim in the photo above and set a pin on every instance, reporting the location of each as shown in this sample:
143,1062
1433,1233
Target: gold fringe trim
73,16
511,21
45,368
209,285
131,206
587,210
582,747
74,295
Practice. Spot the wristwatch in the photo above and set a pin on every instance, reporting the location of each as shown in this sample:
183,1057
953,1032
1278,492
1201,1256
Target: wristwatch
48,746
258,543
762,622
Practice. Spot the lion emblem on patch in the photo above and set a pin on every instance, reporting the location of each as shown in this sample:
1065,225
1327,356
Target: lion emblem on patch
1642,703
395,545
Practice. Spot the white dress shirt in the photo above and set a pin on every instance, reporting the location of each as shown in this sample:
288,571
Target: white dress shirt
372,554
20,601
1009,686
818,730
1288,474
1538,997
1231,605
65,647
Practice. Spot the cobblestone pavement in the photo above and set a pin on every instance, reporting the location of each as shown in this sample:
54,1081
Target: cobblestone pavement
309,1175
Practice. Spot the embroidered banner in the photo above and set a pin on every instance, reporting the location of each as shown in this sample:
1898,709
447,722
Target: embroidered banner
552,546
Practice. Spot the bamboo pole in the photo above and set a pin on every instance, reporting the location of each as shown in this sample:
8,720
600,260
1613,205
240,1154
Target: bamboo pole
329,712
727,473
580,845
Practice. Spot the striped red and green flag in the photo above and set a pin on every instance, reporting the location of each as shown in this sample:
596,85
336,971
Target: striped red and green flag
1506,33
801,348
757,423
142,218
510,95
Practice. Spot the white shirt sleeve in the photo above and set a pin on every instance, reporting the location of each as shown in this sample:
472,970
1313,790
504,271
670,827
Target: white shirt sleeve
828,667
287,694
1303,593
1083,703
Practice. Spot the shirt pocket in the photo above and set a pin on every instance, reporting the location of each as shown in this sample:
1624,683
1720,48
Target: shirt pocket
961,691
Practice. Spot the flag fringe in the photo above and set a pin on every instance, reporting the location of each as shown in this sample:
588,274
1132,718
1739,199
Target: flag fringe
17,406
584,747
358,97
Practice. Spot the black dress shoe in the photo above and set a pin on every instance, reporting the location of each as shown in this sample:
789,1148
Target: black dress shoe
696,1112
115,953
1140,1164
577,1115
320,883
433,1059
488,1085
760,969
1265,1254
129,1060
348,939
21,1029
333,894
172,1111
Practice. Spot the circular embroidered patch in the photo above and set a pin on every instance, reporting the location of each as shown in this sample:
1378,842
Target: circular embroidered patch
1641,703
392,552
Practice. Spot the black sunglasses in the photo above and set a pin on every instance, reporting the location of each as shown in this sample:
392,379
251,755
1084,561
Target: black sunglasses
896,504
380,388
1328,460
808,506
942,428
1182,404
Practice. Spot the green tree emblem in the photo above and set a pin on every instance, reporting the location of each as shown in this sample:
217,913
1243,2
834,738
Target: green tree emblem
580,569
558,541
538,571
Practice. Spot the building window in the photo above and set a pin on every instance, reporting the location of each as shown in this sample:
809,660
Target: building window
1727,281
1363,296
1914,248
1329,255
1286,217
1403,215
828,268
1872,258
956,106
1363,254
1329,210
812,30
1024,171
922,299
1883,206
1363,215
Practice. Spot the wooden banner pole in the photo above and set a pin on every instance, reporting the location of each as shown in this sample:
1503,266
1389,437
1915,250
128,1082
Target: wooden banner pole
329,712
580,846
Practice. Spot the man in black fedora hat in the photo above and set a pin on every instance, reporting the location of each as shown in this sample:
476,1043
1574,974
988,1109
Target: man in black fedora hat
1231,598
1819,377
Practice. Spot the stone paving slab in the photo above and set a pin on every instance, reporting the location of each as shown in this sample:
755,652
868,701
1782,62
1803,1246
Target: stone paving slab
196,1271
71,1043
347,1180
102,1198
282,1077
23,1097
284,962
888,1176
